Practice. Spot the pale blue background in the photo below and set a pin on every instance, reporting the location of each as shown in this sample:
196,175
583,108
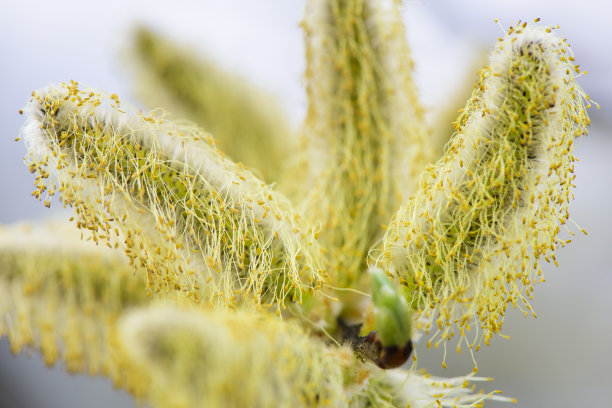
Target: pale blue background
560,359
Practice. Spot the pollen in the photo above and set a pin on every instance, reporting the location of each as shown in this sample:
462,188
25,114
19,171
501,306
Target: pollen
170,188
509,176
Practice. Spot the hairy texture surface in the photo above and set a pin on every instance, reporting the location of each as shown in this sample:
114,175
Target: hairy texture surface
390,389
470,240
62,296
248,125
193,220
234,360
363,134
219,251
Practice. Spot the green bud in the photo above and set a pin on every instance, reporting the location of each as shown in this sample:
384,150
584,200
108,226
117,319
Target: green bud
392,316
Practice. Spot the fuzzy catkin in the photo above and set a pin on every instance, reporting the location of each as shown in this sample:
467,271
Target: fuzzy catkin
61,296
364,131
247,124
193,220
395,388
470,240
233,360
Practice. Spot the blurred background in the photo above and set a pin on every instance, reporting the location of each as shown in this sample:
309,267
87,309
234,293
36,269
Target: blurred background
560,359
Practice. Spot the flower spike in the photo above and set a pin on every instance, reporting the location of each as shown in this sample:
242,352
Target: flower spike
192,219
364,129
61,296
470,240
248,125
233,360
398,388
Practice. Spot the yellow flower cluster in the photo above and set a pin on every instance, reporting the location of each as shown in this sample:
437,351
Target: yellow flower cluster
192,219
364,128
247,124
61,295
468,243
197,359
212,247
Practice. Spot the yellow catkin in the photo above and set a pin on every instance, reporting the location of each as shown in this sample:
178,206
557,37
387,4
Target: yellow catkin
248,124
232,360
394,388
193,220
62,296
470,240
363,135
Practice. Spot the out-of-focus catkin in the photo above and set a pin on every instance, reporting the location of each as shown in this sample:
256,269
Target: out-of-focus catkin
248,125
61,296
364,133
234,360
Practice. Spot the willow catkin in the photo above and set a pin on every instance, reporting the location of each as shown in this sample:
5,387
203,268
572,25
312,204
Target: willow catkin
364,131
234,360
397,388
248,125
470,240
61,296
193,220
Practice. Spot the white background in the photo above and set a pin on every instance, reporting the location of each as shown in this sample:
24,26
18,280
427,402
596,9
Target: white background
560,359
